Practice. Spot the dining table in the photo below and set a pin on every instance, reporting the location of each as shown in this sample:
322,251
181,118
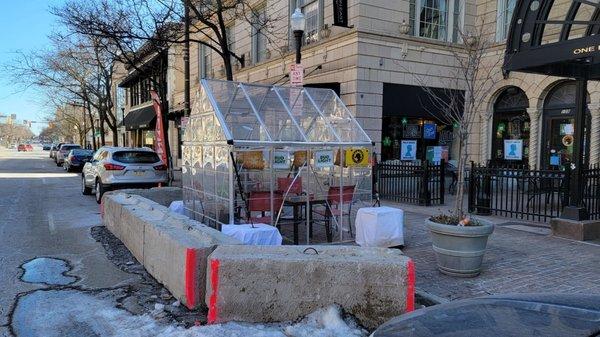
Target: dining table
297,202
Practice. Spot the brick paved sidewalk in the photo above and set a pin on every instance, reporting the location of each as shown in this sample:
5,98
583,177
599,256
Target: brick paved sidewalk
517,261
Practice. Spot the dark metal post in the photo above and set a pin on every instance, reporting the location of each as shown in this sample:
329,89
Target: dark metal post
298,35
575,210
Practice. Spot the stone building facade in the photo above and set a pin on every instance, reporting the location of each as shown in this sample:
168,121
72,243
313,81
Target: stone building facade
379,71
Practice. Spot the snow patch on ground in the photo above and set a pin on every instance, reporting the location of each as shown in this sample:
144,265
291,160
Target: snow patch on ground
72,313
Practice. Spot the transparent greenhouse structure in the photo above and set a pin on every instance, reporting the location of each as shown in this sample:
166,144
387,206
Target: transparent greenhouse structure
291,157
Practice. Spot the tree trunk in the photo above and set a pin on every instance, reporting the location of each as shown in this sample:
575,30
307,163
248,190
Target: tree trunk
102,137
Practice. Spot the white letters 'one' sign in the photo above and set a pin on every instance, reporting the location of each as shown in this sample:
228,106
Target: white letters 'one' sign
324,158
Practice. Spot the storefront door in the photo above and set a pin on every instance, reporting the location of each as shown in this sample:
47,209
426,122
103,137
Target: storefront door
558,134
559,141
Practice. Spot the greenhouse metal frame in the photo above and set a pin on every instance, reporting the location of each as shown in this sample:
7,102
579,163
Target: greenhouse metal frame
285,156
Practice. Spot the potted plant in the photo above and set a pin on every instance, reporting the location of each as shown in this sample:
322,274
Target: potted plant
459,243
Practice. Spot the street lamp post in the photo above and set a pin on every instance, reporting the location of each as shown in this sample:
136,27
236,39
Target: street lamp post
298,25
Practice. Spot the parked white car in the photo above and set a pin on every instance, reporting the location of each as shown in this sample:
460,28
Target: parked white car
122,167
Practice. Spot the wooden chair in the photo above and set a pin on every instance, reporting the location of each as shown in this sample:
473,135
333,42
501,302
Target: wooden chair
335,207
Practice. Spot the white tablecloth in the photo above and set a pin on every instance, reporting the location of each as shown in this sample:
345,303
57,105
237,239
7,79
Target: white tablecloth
261,235
177,207
380,227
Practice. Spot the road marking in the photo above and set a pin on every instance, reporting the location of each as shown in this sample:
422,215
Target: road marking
51,224
25,175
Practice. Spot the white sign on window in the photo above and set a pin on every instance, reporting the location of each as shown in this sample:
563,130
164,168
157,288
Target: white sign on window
324,158
513,149
281,160
408,150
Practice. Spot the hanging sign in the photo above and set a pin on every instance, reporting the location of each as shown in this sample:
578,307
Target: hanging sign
324,158
340,13
296,75
356,157
408,150
159,140
429,130
513,149
281,160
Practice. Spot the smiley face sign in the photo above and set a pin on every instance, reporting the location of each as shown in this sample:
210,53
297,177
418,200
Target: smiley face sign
357,157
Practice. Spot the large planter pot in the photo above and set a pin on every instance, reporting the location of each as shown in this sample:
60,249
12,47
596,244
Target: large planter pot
459,250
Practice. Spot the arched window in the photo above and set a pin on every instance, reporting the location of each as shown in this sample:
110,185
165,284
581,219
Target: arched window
510,133
559,126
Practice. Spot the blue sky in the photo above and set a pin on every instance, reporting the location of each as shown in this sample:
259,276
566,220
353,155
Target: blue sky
24,25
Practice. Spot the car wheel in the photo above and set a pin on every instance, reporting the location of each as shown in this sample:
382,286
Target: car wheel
84,189
100,189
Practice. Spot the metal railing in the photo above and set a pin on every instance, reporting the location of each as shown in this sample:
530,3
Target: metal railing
518,192
537,195
591,191
419,183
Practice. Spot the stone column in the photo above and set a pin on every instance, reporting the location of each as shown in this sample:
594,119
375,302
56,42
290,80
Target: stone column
595,134
534,137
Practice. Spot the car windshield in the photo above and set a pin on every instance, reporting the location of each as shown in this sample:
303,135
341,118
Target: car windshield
136,157
81,152
69,147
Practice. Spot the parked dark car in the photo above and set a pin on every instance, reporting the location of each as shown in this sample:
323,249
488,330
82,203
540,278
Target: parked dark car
46,147
76,159
63,151
548,315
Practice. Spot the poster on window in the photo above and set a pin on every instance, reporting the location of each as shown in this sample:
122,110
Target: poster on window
436,153
513,149
323,158
408,150
281,160
429,130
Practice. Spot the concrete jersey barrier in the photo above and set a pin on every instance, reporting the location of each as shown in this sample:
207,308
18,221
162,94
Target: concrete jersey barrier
173,248
285,283
162,195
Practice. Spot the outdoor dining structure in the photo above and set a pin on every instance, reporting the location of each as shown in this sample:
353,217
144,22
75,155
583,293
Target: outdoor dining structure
263,155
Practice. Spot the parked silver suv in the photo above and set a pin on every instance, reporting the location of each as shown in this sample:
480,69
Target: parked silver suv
122,167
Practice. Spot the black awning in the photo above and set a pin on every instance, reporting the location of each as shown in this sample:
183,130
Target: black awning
142,118
558,42
400,100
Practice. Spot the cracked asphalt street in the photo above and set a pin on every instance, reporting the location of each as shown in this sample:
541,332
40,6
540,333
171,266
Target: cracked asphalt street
44,214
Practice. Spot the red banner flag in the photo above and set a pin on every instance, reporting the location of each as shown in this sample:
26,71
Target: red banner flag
159,132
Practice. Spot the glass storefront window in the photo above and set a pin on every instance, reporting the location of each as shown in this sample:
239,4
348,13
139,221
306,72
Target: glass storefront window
510,128
420,132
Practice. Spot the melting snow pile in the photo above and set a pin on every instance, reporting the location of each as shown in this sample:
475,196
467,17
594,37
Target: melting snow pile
71,313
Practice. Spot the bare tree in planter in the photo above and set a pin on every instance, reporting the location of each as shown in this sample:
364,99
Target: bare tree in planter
459,242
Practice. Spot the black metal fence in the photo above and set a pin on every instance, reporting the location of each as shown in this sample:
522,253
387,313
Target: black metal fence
536,195
591,191
420,183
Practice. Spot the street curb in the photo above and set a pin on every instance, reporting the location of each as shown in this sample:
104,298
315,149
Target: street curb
428,299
